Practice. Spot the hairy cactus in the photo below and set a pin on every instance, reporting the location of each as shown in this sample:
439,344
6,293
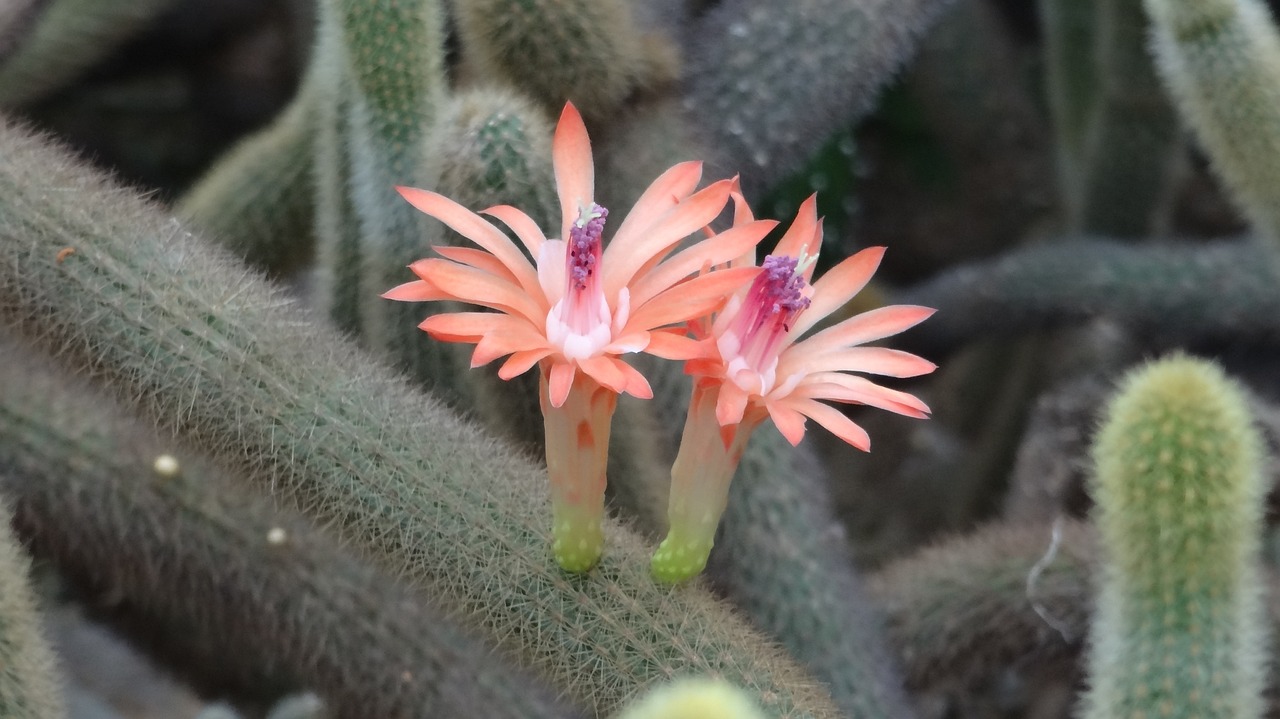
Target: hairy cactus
217,356
1180,629
1220,60
589,52
29,684
1132,131
747,54
258,200
201,571
1181,292
692,698
68,37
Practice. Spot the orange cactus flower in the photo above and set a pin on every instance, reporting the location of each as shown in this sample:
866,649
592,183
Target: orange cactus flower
754,366
580,306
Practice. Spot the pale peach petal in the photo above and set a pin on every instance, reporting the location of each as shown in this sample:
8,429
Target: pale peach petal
741,216
848,388
634,342
415,291
788,421
664,193
717,250
800,237
551,270
526,229
637,385
672,346
731,404
603,370
474,228
520,362
872,360
691,298
468,326
837,287
468,284
866,327
560,382
575,174
836,423
478,259
629,252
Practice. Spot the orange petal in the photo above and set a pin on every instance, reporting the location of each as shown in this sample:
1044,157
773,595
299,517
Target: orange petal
603,370
865,327
634,342
627,253
504,342
837,287
837,424
800,237
415,291
481,288
474,228
525,228
788,421
637,385
692,298
860,390
872,360
468,326
713,251
662,194
560,382
520,362
672,346
571,157
731,404
478,259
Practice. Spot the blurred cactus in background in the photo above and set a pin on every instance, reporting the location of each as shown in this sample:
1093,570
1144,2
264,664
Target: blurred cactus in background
219,443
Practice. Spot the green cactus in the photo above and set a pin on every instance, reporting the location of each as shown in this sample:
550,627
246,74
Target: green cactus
219,357
1180,629
68,37
589,52
1126,162
1220,60
16,19
30,687
1179,292
693,698
113,505
258,200
743,69
1071,81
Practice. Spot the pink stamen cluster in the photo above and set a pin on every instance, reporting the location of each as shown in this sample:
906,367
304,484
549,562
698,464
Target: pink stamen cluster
775,299
584,252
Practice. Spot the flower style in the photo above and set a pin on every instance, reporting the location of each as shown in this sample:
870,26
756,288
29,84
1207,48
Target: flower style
581,306
753,366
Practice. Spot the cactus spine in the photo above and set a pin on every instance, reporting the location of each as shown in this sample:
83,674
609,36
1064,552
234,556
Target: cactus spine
1180,629
1220,60
223,360
29,685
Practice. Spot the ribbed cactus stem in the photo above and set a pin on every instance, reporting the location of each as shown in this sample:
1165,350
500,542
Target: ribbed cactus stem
1220,60
1180,629
30,687
704,467
577,441
216,355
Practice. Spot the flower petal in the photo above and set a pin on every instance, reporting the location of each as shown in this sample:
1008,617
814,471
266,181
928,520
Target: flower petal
866,327
468,284
837,287
637,385
575,175
478,259
468,326
872,360
634,342
716,250
731,404
602,369
860,390
628,252
551,270
804,235
415,291
474,228
525,228
672,346
788,421
692,298
664,193
560,382
520,362
836,423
